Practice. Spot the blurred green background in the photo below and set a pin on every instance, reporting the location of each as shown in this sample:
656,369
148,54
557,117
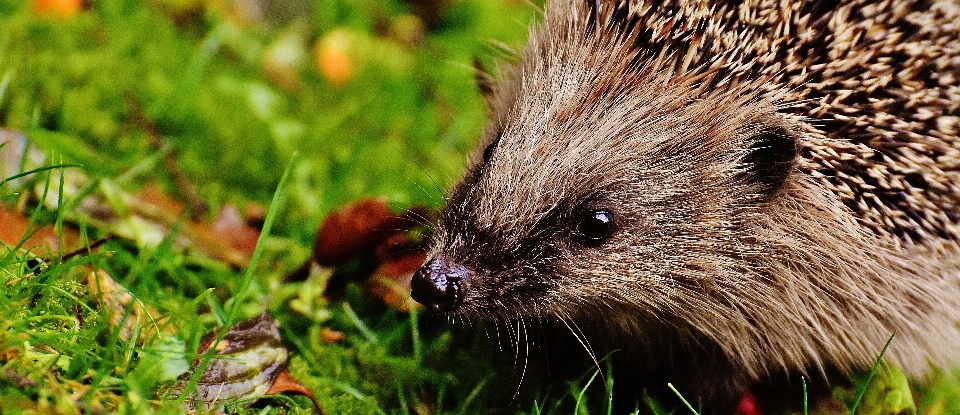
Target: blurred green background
377,95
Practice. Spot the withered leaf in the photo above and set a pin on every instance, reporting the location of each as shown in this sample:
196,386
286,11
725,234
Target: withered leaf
330,336
357,228
286,383
124,310
41,242
391,281
229,239
248,360
233,229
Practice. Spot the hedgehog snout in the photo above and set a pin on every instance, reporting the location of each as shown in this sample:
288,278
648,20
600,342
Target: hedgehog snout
439,284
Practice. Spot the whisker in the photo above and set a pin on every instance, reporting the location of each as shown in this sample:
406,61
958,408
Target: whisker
443,194
578,334
526,356
419,218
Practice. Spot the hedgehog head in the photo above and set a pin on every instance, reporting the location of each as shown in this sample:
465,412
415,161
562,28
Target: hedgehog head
608,177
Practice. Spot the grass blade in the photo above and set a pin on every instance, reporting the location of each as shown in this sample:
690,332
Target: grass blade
36,170
803,381
583,391
873,371
690,407
245,283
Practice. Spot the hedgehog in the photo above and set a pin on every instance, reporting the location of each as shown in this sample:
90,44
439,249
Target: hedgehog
722,190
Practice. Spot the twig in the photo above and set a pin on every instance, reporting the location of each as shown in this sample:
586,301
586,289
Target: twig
198,208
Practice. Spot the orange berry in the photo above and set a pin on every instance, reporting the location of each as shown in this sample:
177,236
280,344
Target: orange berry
58,8
332,57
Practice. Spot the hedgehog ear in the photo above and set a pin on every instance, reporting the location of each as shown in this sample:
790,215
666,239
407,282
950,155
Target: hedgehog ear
485,82
770,159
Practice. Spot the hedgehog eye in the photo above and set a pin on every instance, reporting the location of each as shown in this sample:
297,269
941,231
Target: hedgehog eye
595,226
488,152
771,159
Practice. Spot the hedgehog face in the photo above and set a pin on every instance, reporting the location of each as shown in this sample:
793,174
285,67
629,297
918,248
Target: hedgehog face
607,178
642,211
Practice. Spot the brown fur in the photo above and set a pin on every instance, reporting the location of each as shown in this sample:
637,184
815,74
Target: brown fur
653,111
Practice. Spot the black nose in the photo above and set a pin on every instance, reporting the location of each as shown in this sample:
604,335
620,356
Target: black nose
438,284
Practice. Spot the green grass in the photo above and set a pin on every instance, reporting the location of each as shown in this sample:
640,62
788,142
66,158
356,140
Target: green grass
88,93
78,89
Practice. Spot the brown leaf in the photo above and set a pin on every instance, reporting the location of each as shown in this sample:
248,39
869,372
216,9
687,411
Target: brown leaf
330,336
285,383
41,242
357,228
155,196
228,239
233,229
247,362
124,310
259,331
399,245
391,282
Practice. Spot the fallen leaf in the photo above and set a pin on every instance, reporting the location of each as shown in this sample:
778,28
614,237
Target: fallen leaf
228,239
153,195
285,383
330,336
233,229
357,228
43,241
367,227
391,281
132,316
248,360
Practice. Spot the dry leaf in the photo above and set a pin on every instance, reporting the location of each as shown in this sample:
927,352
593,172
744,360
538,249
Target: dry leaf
285,383
229,226
357,228
124,310
229,239
391,282
41,242
330,336
248,360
